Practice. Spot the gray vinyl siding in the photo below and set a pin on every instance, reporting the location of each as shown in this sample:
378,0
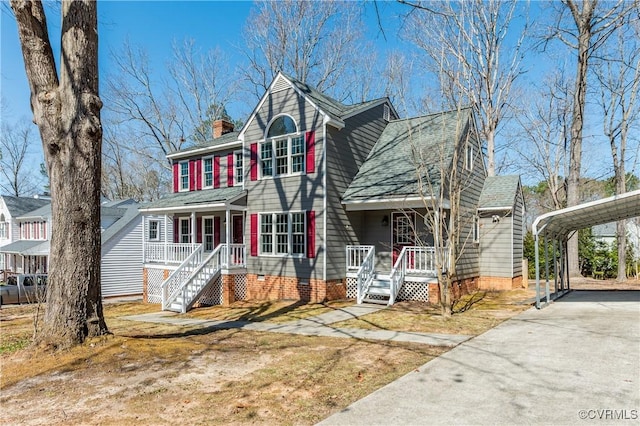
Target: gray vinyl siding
518,235
287,194
496,252
121,268
346,151
468,265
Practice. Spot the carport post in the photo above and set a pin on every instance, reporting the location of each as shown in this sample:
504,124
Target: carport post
537,273
546,264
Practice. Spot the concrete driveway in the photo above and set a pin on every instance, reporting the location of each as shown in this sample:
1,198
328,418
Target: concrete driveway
576,361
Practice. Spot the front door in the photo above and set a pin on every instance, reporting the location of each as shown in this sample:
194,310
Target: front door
403,232
237,232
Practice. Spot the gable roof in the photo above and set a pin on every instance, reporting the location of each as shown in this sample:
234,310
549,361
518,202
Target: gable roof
127,214
230,139
390,171
499,192
18,206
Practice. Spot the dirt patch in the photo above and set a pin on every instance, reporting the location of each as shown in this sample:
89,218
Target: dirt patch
157,374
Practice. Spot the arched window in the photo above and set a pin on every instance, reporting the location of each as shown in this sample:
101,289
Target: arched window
282,125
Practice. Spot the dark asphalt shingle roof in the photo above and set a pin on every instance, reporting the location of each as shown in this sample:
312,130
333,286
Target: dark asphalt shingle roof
226,138
499,192
18,206
206,196
390,170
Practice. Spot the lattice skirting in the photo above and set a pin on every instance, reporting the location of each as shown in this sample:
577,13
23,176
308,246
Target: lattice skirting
410,290
155,277
212,294
240,287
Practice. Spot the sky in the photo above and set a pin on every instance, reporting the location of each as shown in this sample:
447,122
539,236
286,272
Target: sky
156,25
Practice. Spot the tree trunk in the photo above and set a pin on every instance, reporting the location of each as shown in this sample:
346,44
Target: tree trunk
67,113
583,23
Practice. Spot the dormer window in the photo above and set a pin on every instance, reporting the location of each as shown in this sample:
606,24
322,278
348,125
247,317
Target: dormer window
283,151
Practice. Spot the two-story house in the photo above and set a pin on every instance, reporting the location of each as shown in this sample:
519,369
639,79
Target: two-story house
308,201
11,208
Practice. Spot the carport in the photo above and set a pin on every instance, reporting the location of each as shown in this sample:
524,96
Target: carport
560,225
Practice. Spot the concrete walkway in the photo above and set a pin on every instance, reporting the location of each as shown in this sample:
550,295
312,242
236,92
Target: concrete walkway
576,361
319,325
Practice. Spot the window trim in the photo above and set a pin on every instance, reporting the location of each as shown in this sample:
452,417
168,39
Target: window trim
289,156
188,234
181,188
204,173
204,233
157,223
290,234
238,169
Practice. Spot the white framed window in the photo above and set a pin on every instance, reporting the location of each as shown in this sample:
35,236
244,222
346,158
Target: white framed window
185,230
469,157
184,175
154,230
4,229
283,234
43,230
207,172
238,164
283,151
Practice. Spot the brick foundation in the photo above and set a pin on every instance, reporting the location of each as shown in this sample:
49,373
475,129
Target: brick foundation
501,283
270,287
145,285
458,289
228,290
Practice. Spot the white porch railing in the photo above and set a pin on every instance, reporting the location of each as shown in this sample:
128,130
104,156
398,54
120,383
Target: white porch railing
356,256
396,278
167,252
172,286
366,273
233,255
420,260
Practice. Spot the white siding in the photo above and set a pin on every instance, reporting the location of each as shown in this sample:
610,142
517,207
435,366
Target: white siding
121,272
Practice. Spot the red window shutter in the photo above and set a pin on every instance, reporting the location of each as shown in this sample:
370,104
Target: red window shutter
254,234
311,234
176,177
216,231
216,171
199,174
254,161
311,151
199,230
176,230
230,169
192,175
44,231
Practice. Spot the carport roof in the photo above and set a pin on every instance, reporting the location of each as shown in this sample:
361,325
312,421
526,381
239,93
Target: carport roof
560,223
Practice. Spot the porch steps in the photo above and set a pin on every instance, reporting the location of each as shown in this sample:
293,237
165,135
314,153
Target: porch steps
379,291
194,289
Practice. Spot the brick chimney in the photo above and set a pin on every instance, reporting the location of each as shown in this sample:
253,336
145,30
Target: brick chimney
221,127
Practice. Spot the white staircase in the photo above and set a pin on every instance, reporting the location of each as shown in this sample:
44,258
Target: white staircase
379,291
187,283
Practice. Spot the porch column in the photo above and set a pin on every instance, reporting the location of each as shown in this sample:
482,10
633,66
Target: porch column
227,230
193,228
144,241
166,237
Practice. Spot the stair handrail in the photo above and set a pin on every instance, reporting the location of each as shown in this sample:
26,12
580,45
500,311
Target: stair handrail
216,255
365,274
173,279
396,278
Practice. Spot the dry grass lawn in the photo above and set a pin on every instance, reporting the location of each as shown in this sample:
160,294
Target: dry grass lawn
156,374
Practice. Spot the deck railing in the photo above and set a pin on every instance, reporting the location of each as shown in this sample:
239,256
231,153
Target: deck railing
356,256
233,255
168,252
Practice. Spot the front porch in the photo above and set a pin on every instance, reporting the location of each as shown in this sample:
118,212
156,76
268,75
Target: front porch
412,277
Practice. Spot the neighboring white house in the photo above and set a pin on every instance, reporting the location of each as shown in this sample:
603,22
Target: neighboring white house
121,268
10,208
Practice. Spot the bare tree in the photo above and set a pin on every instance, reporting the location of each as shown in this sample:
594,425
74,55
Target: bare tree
15,143
468,42
66,109
161,115
314,42
619,78
544,136
589,24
